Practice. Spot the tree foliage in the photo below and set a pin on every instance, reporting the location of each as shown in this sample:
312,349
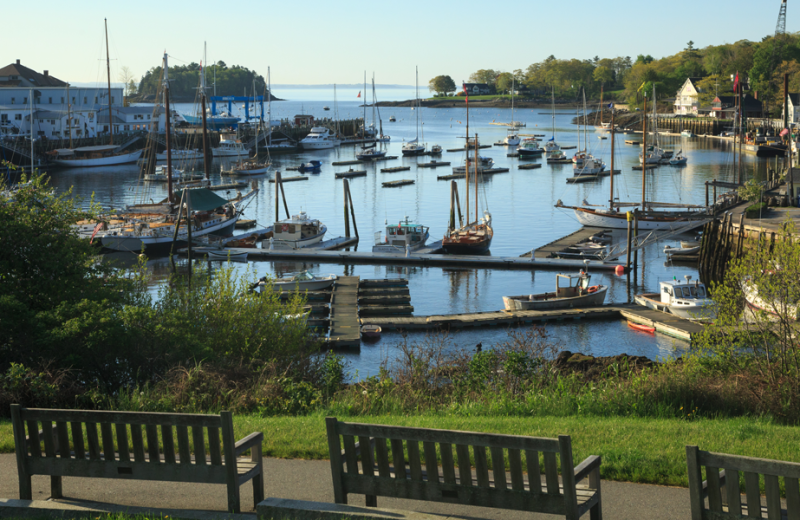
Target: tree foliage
184,80
487,76
442,85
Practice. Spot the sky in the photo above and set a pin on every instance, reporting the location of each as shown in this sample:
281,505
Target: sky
335,41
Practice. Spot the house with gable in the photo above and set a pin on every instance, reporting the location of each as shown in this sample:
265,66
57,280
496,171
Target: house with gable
686,101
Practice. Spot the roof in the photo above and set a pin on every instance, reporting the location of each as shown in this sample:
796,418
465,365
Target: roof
102,117
38,80
795,99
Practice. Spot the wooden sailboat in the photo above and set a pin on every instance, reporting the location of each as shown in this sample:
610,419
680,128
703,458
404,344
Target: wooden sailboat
475,237
650,218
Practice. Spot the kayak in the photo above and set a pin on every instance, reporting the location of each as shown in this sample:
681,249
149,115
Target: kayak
643,328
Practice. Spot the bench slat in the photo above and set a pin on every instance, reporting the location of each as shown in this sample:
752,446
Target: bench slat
214,447
199,445
93,441
168,442
141,418
431,461
414,462
753,494
183,444
551,473
153,455
750,464
132,469
398,457
49,442
534,471
108,441
34,442
123,447
714,495
792,498
452,436
63,440
77,440
515,465
382,457
481,466
350,458
772,488
138,442
732,491
367,457
499,468
448,466
464,465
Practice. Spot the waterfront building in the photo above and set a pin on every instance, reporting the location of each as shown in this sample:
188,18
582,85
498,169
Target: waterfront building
794,109
478,89
686,102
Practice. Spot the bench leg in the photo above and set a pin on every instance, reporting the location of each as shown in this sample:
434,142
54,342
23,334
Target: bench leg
258,489
596,512
372,501
55,487
25,487
233,497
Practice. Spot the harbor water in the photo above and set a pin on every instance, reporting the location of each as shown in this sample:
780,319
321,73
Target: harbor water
521,203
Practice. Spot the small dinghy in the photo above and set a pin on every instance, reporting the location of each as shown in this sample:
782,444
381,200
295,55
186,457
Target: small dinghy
223,254
681,251
643,328
304,281
370,332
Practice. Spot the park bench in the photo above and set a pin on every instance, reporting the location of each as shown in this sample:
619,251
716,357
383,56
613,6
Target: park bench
122,450
367,466
723,492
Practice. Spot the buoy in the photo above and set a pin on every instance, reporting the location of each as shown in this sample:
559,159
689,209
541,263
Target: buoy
619,270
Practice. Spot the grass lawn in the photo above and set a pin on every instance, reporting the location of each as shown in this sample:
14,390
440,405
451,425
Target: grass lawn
633,449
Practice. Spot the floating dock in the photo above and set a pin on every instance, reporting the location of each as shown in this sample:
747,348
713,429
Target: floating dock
397,184
357,161
433,164
345,329
568,147
290,179
529,166
493,171
559,161
556,246
481,147
646,167
350,174
394,169
633,142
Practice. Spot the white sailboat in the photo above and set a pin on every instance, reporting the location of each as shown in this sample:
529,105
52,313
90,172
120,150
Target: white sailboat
414,147
551,148
585,163
512,137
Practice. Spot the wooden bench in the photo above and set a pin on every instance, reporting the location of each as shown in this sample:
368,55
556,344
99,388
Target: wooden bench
722,486
122,450
397,471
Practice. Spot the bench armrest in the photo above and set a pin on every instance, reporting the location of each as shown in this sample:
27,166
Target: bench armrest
583,469
251,441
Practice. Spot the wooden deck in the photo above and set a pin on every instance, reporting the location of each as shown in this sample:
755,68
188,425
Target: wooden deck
345,329
546,251
395,169
529,166
290,179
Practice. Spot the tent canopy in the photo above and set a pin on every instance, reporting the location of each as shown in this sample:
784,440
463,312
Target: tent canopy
205,200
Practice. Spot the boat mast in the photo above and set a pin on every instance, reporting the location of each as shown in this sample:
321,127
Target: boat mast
466,163
585,138
206,151
69,117
269,106
611,199
108,70
553,101
262,118
741,135
31,130
476,179
416,94
170,196
644,147
364,122
601,109
512,102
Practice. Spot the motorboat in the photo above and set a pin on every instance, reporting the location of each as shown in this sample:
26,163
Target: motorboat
681,251
589,166
371,154
223,254
406,235
679,159
296,232
530,148
688,133
326,108
576,293
556,155
230,148
512,138
213,121
300,282
436,150
690,243
90,156
320,138
579,157
310,166
484,163
688,300
249,167
412,148
392,119
160,175
371,332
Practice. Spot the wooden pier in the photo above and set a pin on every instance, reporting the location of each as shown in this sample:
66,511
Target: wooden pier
633,142
397,184
290,179
433,164
345,329
394,169
481,147
350,174
646,166
529,166
357,161
549,250
559,161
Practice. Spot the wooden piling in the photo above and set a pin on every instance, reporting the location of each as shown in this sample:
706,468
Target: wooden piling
352,211
636,237
346,214
628,252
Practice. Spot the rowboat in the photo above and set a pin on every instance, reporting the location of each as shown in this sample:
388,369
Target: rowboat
223,254
642,328
579,295
681,251
372,332
301,282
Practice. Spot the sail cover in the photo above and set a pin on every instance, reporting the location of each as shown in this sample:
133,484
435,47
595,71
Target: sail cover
205,200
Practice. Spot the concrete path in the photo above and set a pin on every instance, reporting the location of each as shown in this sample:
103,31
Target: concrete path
311,480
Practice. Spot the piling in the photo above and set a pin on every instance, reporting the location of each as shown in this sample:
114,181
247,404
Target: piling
346,215
628,252
636,238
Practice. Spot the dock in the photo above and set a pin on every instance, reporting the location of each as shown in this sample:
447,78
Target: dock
559,161
397,184
529,166
350,174
451,176
493,171
394,169
357,161
345,163
481,147
568,147
345,329
556,246
433,164
646,167
664,323
512,154
633,142
290,179
575,179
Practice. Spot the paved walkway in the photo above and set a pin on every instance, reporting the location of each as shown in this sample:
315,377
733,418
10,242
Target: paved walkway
311,480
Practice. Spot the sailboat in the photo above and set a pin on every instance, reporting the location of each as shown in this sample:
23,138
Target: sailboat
585,163
551,148
512,137
605,127
475,237
369,152
251,166
99,155
414,147
649,218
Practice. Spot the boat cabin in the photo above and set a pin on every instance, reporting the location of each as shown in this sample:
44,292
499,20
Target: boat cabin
406,232
576,284
297,229
675,289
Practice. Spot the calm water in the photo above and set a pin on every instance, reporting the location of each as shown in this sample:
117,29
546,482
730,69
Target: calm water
521,203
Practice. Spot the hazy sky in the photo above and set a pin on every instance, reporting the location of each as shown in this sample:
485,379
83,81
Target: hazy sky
334,41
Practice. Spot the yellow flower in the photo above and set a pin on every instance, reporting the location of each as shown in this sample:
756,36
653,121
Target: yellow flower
681,407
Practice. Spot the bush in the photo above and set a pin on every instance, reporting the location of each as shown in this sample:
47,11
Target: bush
755,210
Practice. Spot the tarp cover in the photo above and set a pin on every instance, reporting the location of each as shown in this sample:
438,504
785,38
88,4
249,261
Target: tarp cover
205,200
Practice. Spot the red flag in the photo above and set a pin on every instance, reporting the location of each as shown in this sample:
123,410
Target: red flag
359,94
466,94
97,228
736,83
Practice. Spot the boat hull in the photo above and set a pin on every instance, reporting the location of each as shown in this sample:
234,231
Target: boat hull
114,160
301,285
524,303
159,243
591,218
467,248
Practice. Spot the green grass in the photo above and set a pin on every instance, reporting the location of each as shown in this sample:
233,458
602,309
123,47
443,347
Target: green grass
633,449
471,98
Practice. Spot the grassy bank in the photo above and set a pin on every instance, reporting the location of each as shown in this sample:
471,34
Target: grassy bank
633,449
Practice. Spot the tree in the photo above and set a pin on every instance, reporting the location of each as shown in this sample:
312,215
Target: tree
442,85
711,87
487,76
504,82
132,88
603,75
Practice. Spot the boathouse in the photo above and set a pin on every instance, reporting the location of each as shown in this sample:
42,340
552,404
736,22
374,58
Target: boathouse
303,120
724,107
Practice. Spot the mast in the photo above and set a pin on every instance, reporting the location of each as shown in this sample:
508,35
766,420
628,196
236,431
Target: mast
170,196
611,199
644,147
269,106
108,70
512,102
553,104
476,179
206,151
31,130
69,117
601,109
257,126
585,138
741,135
364,122
416,94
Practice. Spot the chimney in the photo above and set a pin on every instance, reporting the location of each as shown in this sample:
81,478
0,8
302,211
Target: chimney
46,73
17,62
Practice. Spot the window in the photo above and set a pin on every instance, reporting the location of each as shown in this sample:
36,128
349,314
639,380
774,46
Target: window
85,100
3,117
17,117
95,99
127,127
112,100
50,100
73,100
148,116
62,100
24,101
12,100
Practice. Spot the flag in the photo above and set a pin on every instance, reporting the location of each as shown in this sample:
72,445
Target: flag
466,94
611,105
640,88
736,83
359,94
97,228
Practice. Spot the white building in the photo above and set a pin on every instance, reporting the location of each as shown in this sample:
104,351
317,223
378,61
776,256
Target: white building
794,109
686,102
